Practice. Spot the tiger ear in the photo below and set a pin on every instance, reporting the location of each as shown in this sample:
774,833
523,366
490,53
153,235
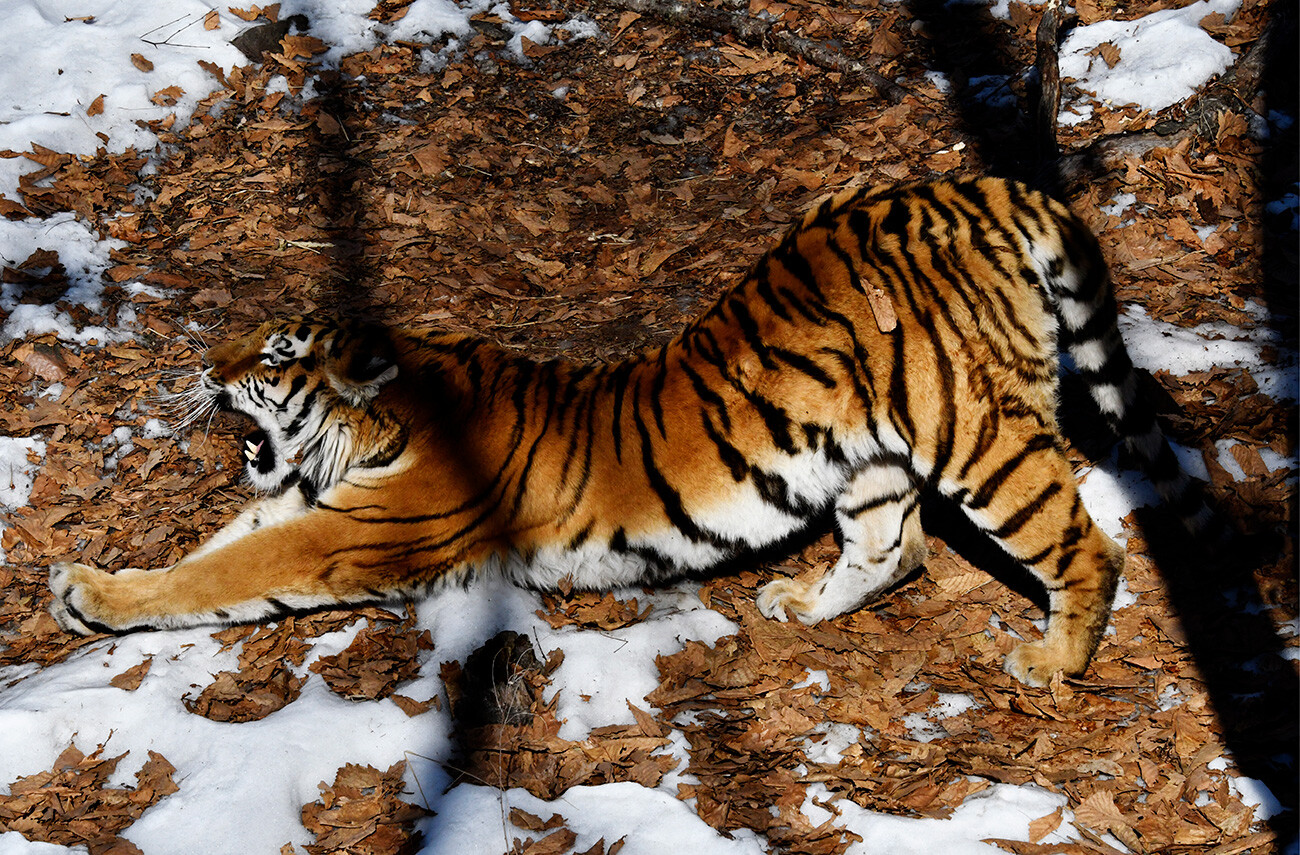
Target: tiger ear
363,362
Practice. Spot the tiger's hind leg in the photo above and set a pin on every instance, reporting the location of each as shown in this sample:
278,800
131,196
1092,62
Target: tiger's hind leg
879,518
1023,494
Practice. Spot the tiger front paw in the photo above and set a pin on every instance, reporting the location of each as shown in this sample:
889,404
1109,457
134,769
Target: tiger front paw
78,598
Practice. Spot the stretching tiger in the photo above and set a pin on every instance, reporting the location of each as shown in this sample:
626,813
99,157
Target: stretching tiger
898,339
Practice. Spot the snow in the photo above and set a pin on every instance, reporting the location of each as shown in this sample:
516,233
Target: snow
471,819
925,727
1002,810
65,66
1163,58
69,62
16,472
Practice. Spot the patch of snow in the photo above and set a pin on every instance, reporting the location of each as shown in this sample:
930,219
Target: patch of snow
1119,203
997,8
473,819
1163,57
940,81
71,56
994,90
1169,698
1002,810
1155,345
592,658
83,255
837,739
924,727
17,471
1255,793
1286,207
1123,597
817,678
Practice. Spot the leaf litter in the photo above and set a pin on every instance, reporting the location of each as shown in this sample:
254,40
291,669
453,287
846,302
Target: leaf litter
672,158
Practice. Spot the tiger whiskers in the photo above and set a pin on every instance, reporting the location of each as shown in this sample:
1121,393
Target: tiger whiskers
187,402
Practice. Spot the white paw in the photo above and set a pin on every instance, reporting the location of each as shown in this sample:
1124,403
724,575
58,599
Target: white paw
67,597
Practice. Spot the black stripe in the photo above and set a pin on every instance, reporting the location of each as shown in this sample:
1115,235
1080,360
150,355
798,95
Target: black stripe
880,502
947,438
1038,557
775,491
1017,521
804,364
749,329
618,380
300,421
727,453
763,286
706,393
984,439
549,383
981,497
668,496
657,391
581,537
295,386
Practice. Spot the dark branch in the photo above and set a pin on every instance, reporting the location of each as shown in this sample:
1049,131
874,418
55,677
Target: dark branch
758,33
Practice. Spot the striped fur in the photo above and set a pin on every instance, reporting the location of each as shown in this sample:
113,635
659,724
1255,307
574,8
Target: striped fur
397,462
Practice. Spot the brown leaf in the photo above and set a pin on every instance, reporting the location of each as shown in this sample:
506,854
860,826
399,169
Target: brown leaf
212,20
413,707
1108,52
141,63
431,158
556,843
96,107
361,812
1044,825
167,97
377,660
530,822
130,679
1249,459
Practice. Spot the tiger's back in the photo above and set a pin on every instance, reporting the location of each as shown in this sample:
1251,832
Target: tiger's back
897,340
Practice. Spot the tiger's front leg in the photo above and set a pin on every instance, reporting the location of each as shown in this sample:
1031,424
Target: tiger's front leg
879,517
198,589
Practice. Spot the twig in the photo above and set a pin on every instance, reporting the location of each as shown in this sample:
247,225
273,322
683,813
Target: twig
168,40
758,33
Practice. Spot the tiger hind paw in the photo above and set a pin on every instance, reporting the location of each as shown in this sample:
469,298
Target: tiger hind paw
782,597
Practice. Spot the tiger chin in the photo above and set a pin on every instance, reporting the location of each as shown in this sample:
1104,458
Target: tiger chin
898,340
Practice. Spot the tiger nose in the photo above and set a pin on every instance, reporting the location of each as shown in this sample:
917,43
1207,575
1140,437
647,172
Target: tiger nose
219,355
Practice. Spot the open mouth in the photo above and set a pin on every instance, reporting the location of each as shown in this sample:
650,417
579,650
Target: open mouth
258,451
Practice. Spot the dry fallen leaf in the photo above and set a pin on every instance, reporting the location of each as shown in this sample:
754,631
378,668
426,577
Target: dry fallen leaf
131,678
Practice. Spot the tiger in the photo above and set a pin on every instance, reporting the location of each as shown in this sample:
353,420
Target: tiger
899,341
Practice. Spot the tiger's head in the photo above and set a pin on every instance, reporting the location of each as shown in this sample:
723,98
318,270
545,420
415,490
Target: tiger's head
307,387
